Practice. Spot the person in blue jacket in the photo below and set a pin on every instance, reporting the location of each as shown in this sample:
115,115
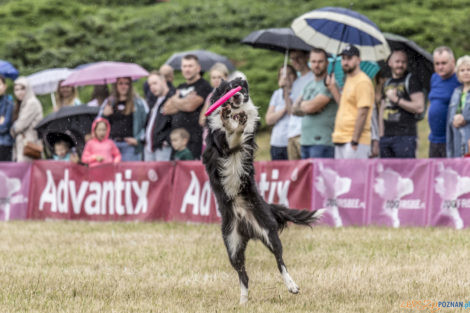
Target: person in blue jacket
6,111
458,118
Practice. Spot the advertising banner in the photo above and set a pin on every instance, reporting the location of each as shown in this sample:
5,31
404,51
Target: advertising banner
341,187
14,190
123,192
450,193
398,192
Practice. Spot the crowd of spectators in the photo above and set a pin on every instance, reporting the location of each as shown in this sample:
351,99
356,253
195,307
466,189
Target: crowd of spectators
363,119
312,117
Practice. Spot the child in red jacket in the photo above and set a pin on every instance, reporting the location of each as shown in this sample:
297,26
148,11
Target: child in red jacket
100,149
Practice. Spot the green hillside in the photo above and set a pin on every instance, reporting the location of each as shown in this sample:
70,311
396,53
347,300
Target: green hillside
40,34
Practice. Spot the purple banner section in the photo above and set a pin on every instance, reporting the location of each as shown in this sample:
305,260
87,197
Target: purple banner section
14,190
450,193
398,192
341,188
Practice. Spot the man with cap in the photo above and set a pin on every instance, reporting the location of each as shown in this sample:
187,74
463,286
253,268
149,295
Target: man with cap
352,133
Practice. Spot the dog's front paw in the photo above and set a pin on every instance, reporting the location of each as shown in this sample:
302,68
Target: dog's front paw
242,118
225,113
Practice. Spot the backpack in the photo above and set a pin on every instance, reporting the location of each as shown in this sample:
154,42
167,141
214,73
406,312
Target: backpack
417,116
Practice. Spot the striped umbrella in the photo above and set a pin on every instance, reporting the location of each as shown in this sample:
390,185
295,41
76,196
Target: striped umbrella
333,28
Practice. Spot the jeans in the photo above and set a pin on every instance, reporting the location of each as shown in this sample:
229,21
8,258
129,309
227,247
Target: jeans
161,154
398,147
317,151
278,153
128,152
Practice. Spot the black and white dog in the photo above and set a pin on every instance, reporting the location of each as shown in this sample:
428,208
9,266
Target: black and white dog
229,159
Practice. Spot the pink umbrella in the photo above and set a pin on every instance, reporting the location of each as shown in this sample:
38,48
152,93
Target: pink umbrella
105,72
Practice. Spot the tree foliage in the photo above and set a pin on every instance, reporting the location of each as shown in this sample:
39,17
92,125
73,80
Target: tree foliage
40,34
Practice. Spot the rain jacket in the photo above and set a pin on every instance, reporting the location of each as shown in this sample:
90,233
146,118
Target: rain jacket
6,110
457,138
105,148
30,114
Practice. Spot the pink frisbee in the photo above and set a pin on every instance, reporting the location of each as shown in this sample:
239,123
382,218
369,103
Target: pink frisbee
222,100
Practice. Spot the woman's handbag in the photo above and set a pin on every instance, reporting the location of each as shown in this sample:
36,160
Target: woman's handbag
32,150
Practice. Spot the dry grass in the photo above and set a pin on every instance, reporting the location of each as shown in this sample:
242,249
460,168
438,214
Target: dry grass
158,267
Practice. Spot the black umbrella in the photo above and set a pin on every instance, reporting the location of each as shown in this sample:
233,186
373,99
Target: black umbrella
206,59
70,124
277,39
419,60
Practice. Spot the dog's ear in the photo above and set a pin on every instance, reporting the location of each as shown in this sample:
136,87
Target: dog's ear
244,85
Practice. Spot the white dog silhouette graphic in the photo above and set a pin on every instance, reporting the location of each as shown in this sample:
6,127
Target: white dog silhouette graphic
9,187
450,186
391,187
331,186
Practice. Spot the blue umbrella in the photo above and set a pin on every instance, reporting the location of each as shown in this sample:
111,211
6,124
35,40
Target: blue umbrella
8,70
333,28
368,67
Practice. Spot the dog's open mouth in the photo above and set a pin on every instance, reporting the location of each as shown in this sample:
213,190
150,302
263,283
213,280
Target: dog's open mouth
236,100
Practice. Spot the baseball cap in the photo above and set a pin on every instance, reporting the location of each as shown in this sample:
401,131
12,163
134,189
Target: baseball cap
350,50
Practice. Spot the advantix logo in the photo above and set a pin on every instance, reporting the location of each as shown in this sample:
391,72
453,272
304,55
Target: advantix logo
108,197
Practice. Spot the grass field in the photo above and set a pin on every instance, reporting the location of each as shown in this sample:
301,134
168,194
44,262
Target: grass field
173,267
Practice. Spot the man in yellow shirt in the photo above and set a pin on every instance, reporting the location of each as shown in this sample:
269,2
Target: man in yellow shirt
352,134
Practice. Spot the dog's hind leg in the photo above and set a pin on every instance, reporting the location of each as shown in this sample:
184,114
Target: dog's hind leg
275,246
236,246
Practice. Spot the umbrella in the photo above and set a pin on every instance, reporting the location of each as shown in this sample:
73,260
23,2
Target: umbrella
206,59
46,81
102,73
70,123
368,67
8,70
333,28
277,39
420,61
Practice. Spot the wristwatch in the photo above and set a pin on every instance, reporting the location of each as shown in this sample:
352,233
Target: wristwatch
354,143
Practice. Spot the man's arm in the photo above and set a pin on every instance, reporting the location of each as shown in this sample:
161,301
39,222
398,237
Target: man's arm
415,105
360,122
315,105
296,109
187,104
330,82
273,116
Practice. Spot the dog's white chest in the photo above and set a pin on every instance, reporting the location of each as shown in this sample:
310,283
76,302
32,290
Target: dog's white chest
232,171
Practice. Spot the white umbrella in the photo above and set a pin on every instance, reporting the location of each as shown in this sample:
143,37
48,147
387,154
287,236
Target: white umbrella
46,81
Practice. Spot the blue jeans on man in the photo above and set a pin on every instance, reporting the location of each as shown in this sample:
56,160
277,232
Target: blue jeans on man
398,147
317,151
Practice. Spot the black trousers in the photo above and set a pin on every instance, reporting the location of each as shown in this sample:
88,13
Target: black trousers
437,150
5,153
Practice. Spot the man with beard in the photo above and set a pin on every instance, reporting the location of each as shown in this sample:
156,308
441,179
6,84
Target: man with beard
403,98
318,109
185,106
352,134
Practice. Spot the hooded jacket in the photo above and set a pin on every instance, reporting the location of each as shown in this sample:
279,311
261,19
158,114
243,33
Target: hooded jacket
30,114
105,148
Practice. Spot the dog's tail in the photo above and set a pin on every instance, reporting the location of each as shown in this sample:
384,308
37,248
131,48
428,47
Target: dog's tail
283,215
